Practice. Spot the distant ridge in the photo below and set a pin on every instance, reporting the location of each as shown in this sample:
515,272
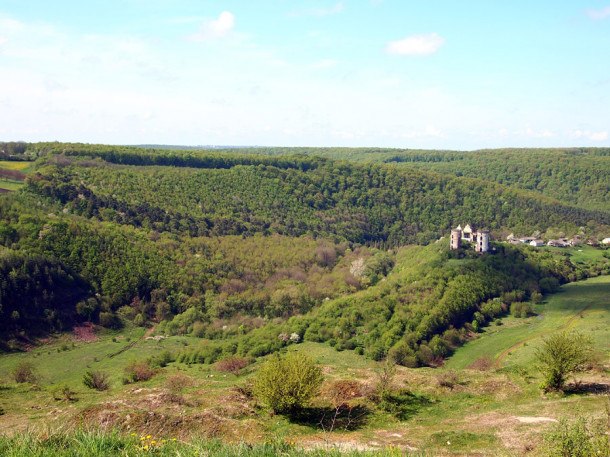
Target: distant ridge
188,148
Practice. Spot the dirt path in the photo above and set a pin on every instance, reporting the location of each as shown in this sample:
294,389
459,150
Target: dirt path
133,343
501,357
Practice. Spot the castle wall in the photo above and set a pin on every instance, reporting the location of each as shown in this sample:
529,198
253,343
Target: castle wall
456,239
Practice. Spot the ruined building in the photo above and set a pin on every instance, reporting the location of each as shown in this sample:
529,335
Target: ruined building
480,238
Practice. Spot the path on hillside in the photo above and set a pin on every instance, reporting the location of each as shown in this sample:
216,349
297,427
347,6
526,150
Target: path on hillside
501,357
133,343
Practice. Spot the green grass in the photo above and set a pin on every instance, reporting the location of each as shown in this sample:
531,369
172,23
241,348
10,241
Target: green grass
10,184
560,310
64,361
476,415
108,444
579,254
23,167
13,184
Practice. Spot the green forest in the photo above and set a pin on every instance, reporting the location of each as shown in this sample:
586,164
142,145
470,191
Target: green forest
257,249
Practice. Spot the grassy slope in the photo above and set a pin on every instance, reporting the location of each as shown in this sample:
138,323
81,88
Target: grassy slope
478,414
583,306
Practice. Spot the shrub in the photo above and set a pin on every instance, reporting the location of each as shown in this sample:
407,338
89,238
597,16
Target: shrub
287,383
561,354
403,355
340,392
582,438
548,285
232,364
447,379
520,309
178,382
110,320
96,380
162,359
138,371
64,393
24,372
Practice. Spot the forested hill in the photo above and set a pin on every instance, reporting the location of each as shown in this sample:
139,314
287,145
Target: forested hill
226,194
220,244
576,176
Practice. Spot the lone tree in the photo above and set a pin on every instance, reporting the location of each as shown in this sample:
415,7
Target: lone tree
287,383
561,354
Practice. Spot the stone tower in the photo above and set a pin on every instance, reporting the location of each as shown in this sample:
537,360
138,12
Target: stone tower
456,239
482,243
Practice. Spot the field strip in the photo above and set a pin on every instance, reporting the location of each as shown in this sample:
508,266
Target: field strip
501,357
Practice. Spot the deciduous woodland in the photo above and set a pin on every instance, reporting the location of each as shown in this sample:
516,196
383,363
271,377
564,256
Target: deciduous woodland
249,252
239,248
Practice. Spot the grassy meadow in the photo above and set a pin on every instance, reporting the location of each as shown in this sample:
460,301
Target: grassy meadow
581,306
20,166
496,409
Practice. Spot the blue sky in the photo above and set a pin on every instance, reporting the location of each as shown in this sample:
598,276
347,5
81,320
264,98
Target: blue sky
389,73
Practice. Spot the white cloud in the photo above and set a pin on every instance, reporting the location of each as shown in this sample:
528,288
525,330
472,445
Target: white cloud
599,136
215,28
416,45
595,136
535,133
429,131
598,15
11,25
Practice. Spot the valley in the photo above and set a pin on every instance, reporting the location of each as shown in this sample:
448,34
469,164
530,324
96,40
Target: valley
175,275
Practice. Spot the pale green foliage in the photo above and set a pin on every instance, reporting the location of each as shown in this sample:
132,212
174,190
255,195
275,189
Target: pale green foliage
582,438
287,383
561,354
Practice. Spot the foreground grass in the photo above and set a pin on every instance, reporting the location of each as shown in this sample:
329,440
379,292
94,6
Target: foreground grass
107,444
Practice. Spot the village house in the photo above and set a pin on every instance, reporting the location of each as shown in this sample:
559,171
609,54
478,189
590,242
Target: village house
560,243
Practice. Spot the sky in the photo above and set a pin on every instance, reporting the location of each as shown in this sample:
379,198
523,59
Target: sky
438,74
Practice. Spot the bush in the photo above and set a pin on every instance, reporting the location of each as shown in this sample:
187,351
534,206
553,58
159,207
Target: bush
287,383
520,309
548,285
24,372
561,354
582,438
178,383
162,359
232,364
96,380
138,371
110,320
447,379
64,393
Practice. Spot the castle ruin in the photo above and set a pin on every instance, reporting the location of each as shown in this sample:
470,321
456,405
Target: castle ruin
480,238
